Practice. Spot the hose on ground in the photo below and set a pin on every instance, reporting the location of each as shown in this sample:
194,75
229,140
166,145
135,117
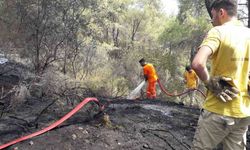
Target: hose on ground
55,124
181,93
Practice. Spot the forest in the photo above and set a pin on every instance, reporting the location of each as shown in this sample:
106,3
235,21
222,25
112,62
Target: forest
98,43
61,51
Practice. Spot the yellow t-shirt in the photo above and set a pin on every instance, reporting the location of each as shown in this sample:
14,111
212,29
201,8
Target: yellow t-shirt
191,79
150,72
230,44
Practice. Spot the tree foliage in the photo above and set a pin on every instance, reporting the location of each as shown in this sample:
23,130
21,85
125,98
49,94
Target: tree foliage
99,42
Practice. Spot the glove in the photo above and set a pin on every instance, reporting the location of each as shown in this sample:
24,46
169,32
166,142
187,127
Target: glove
220,87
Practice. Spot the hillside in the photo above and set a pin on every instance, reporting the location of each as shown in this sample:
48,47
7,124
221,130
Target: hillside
123,124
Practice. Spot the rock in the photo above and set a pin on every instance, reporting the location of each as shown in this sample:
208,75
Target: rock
74,136
31,143
146,146
85,132
86,141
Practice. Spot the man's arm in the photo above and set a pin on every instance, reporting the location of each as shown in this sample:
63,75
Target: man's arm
200,61
217,85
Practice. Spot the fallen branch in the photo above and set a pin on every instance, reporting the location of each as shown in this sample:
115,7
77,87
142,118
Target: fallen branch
35,122
27,124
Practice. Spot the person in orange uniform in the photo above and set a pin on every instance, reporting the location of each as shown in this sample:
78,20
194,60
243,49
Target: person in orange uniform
192,81
151,77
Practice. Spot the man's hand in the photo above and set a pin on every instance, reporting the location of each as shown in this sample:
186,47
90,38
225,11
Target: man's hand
220,87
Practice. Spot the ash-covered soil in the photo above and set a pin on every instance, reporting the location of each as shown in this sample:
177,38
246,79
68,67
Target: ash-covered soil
137,124
124,124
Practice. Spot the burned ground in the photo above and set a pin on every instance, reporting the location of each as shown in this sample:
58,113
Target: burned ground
124,124
140,124
134,125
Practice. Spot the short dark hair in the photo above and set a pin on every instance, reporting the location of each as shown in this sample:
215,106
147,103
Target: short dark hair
141,60
188,68
229,5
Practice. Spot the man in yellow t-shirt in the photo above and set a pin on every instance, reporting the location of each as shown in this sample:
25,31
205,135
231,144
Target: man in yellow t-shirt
226,111
191,80
151,77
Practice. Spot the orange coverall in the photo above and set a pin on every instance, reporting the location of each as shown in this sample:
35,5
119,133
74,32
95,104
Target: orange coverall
191,79
152,77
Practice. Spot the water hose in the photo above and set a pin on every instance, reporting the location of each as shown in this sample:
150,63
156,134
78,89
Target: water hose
181,93
55,124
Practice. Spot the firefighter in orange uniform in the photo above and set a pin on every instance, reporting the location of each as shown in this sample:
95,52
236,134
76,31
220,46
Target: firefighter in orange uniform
151,77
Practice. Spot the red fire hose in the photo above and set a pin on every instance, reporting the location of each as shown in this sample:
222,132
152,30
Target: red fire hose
67,116
179,94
